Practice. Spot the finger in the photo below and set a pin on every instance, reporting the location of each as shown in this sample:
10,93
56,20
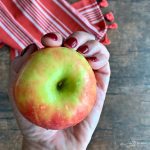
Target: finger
52,39
97,62
92,48
29,50
96,53
77,39
20,60
102,77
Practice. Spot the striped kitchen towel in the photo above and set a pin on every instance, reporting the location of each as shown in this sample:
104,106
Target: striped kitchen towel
23,22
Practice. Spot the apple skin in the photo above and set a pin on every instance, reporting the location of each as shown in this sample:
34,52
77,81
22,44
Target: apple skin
56,88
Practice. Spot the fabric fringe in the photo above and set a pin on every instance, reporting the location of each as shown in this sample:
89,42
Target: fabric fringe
103,3
109,17
112,26
106,40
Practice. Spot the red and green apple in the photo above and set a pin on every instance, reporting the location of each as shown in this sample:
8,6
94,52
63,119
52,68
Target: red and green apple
56,88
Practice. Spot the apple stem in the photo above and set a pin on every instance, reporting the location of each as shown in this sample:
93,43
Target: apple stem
60,84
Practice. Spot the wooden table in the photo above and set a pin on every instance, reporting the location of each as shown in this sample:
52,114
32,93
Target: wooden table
125,120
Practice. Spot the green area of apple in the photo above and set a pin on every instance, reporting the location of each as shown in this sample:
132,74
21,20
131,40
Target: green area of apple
56,88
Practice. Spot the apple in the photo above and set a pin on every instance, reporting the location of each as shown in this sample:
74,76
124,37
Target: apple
56,88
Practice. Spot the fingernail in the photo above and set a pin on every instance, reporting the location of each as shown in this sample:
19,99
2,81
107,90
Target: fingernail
94,59
31,46
52,36
83,49
71,42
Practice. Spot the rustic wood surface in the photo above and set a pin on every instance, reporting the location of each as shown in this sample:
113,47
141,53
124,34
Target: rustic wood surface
125,120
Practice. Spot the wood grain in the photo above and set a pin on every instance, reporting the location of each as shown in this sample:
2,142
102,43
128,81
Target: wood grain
125,120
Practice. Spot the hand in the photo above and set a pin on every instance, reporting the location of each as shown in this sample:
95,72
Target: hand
79,136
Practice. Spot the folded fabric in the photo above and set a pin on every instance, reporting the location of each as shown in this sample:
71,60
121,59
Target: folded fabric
23,22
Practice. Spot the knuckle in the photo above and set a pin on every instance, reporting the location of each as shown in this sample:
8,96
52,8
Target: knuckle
93,42
83,33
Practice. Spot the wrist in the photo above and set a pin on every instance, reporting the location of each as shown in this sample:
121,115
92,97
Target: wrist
28,145
33,145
